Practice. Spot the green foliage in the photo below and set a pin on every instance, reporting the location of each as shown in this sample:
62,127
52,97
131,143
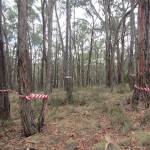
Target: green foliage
115,115
89,95
143,139
126,77
125,142
57,101
36,105
122,89
118,118
71,100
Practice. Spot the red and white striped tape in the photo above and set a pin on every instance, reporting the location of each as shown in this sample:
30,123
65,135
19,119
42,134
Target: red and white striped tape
38,96
4,90
132,74
27,96
142,88
68,77
34,96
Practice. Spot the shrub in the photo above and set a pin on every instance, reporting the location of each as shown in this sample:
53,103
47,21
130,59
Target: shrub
56,101
121,89
118,118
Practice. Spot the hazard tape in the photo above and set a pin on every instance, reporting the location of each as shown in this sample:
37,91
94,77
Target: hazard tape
142,88
68,77
4,90
31,95
37,96
132,74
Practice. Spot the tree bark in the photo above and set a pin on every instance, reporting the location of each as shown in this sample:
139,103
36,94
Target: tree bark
63,49
67,56
4,99
48,83
143,55
27,119
121,79
44,62
132,42
49,53
82,65
90,57
108,55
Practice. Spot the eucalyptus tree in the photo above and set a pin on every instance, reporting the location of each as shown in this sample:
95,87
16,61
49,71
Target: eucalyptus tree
27,119
30,126
50,9
4,99
10,37
44,62
68,54
48,59
132,44
82,31
143,55
33,38
114,27
91,48
62,71
109,52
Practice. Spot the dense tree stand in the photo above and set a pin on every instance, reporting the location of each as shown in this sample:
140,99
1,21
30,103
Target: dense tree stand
143,56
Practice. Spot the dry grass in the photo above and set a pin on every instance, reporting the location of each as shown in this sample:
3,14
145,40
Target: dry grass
81,124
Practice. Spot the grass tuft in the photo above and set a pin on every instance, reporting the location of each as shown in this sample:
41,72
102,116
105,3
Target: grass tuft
118,118
146,117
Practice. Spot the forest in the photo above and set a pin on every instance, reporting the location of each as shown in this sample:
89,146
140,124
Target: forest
74,74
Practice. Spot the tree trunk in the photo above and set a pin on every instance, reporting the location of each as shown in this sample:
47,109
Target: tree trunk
63,49
108,44
121,79
90,57
4,99
78,70
48,83
49,53
44,45
9,66
132,42
15,71
67,56
143,55
27,120
82,65
56,65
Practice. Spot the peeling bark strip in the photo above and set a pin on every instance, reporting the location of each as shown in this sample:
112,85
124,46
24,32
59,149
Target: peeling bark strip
143,54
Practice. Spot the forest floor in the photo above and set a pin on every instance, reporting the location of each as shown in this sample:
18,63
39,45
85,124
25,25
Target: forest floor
96,119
